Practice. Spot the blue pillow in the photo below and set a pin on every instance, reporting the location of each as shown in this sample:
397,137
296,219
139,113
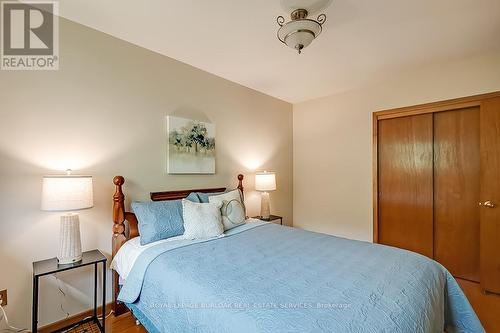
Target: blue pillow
160,219
193,197
203,197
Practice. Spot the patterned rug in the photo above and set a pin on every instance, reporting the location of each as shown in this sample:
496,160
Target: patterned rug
90,327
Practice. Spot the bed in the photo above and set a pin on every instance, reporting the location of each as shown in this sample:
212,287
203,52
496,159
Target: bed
263,277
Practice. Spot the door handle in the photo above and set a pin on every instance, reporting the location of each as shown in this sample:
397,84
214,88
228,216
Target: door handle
487,204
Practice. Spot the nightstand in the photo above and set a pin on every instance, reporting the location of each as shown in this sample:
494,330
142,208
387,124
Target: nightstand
271,218
51,266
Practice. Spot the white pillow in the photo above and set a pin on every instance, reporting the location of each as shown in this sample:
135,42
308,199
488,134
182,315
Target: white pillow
201,220
232,208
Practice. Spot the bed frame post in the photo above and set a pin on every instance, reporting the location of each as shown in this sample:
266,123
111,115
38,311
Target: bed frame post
240,184
119,238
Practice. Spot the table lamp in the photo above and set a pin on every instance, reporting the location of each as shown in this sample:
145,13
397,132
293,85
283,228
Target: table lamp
68,193
265,182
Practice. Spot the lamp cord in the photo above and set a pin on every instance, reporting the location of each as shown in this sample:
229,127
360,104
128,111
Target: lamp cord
19,330
67,313
64,296
9,327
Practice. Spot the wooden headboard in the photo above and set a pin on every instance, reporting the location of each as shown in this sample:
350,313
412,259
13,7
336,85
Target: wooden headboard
121,234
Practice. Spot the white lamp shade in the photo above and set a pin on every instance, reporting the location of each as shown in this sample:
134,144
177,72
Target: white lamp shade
265,181
66,193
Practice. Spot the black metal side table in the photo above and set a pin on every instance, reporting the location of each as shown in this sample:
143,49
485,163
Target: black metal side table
270,219
51,266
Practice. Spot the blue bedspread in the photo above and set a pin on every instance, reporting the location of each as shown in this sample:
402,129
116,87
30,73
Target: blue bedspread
269,278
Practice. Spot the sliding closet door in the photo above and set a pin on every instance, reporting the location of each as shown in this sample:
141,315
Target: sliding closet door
456,191
405,197
490,191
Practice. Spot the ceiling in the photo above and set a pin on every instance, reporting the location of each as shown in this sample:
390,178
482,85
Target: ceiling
362,40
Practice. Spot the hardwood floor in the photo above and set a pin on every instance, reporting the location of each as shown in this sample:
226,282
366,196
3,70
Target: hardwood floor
123,324
487,308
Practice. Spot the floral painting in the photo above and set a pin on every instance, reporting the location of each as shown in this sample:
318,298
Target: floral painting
191,146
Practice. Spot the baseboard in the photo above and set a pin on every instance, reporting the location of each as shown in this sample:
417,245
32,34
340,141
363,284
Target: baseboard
72,319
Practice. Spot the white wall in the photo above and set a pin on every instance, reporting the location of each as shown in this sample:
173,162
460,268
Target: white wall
103,114
332,136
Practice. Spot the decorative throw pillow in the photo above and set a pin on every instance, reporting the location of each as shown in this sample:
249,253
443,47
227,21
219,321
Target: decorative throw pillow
201,220
203,197
232,208
193,197
158,219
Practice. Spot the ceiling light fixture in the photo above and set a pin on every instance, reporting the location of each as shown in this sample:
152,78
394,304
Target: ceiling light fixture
300,31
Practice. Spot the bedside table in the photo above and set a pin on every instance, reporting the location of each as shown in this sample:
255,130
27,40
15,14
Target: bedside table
271,218
51,266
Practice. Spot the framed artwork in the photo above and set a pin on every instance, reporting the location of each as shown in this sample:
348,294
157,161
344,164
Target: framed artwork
191,146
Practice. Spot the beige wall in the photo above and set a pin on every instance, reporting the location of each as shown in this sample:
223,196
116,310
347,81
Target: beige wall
103,114
333,141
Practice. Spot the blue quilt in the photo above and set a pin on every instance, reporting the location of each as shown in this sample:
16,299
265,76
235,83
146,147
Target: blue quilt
263,277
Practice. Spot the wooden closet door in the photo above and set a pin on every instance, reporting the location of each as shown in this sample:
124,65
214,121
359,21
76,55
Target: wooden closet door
456,191
490,191
405,183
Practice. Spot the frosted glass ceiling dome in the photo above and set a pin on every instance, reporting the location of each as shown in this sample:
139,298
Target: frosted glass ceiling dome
300,31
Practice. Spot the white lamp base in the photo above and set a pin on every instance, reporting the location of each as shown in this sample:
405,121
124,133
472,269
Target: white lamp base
264,206
70,244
